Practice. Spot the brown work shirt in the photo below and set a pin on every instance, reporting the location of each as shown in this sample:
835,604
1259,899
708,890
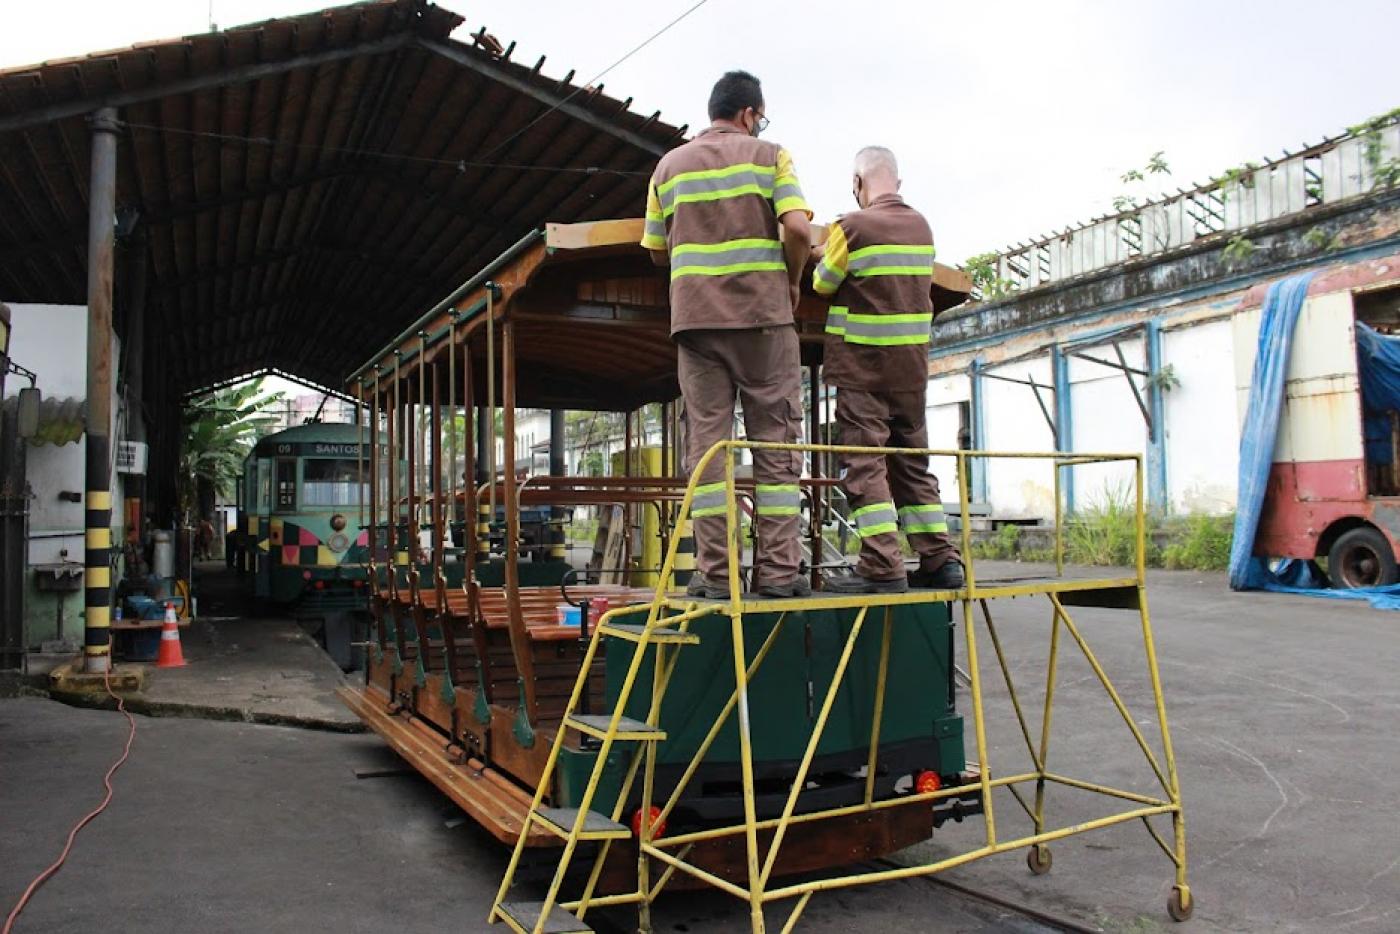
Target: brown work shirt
713,204
877,268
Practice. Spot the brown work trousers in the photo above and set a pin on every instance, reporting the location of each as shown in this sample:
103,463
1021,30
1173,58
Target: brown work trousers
762,368
886,491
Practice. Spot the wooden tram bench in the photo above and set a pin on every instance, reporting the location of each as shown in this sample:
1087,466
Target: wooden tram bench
555,650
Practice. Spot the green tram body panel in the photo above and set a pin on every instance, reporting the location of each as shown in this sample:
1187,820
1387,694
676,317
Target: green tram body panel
920,727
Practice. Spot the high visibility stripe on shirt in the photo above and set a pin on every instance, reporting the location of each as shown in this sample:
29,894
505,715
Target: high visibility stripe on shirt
875,519
654,233
777,499
884,330
892,259
776,183
709,500
729,256
732,181
831,268
787,192
836,319
923,518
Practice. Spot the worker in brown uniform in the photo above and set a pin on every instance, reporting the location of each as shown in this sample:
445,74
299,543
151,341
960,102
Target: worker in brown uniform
877,266
725,211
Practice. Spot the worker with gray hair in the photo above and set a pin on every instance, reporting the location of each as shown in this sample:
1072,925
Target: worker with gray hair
877,268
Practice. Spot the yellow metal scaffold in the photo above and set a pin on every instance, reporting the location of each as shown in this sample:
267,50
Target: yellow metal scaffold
668,618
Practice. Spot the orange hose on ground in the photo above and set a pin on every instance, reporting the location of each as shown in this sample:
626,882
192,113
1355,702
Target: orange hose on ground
48,873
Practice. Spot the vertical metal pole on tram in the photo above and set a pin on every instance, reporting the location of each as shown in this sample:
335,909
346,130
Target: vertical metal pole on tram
557,468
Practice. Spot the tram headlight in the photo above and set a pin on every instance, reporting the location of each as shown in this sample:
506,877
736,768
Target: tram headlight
338,522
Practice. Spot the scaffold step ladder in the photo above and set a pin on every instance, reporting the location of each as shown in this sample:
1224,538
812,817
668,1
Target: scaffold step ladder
577,824
525,916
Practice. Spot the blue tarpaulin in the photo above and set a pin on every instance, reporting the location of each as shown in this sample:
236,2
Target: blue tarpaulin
1379,366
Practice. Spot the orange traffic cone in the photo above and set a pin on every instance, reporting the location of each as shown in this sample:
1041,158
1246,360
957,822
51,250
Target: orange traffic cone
170,654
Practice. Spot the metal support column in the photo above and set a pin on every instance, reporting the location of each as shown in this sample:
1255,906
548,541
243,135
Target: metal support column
557,468
1064,421
1156,429
102,201
978,466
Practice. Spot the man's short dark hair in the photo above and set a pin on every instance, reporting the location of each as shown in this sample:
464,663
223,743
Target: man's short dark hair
733,93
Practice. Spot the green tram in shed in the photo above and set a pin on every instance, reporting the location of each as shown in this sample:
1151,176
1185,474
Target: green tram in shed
301,541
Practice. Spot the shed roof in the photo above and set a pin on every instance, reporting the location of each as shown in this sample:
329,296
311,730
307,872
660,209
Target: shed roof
304,187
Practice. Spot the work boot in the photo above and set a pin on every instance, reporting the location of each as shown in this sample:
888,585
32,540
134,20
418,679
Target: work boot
702,588
947,577
857,584
797,587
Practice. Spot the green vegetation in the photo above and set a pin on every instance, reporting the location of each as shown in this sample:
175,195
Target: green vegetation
1003,546
1242,175
581,531
1164,379
1239,249
1199,543
1385,171
1105,533
1319,239
220,429
1156,165
985,282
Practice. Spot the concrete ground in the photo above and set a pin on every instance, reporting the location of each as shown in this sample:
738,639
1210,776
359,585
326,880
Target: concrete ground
240,827
245,665
261,670
1281,707
1282,711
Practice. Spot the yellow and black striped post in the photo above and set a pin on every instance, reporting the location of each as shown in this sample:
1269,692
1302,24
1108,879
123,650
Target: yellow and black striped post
97,611
102,198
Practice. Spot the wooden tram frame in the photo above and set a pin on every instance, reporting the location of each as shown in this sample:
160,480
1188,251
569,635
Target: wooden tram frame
497,726
459,728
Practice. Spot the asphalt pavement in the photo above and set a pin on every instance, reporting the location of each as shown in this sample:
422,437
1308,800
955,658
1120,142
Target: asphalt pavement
1282,710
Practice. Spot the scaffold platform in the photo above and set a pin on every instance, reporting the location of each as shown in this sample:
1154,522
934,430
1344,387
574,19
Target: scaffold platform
666,629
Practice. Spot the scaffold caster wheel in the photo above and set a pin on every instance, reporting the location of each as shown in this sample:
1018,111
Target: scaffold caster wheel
1180,904
1038,859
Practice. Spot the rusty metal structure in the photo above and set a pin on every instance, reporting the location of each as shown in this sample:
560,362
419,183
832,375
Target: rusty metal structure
1319,175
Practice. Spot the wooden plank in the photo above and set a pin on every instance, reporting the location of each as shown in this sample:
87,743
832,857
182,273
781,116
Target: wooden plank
478,790
954,280
621,232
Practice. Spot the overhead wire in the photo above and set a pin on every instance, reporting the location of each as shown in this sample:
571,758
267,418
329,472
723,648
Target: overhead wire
591,81
461,165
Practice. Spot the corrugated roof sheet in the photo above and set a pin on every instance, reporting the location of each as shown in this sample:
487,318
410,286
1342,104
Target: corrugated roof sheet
304,187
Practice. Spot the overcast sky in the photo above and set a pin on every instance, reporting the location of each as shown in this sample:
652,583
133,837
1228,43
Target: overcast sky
1009,118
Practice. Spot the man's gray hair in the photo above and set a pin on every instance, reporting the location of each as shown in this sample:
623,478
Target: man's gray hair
876,159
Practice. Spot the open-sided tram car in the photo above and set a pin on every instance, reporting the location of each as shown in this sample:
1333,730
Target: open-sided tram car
469,681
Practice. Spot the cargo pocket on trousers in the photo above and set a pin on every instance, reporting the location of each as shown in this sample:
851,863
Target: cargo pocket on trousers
794,434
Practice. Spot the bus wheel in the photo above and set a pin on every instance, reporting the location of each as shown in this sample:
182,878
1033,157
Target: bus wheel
1361,558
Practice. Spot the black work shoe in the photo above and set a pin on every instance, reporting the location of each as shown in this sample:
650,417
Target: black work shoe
857,584
947,577
797,587
703,588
